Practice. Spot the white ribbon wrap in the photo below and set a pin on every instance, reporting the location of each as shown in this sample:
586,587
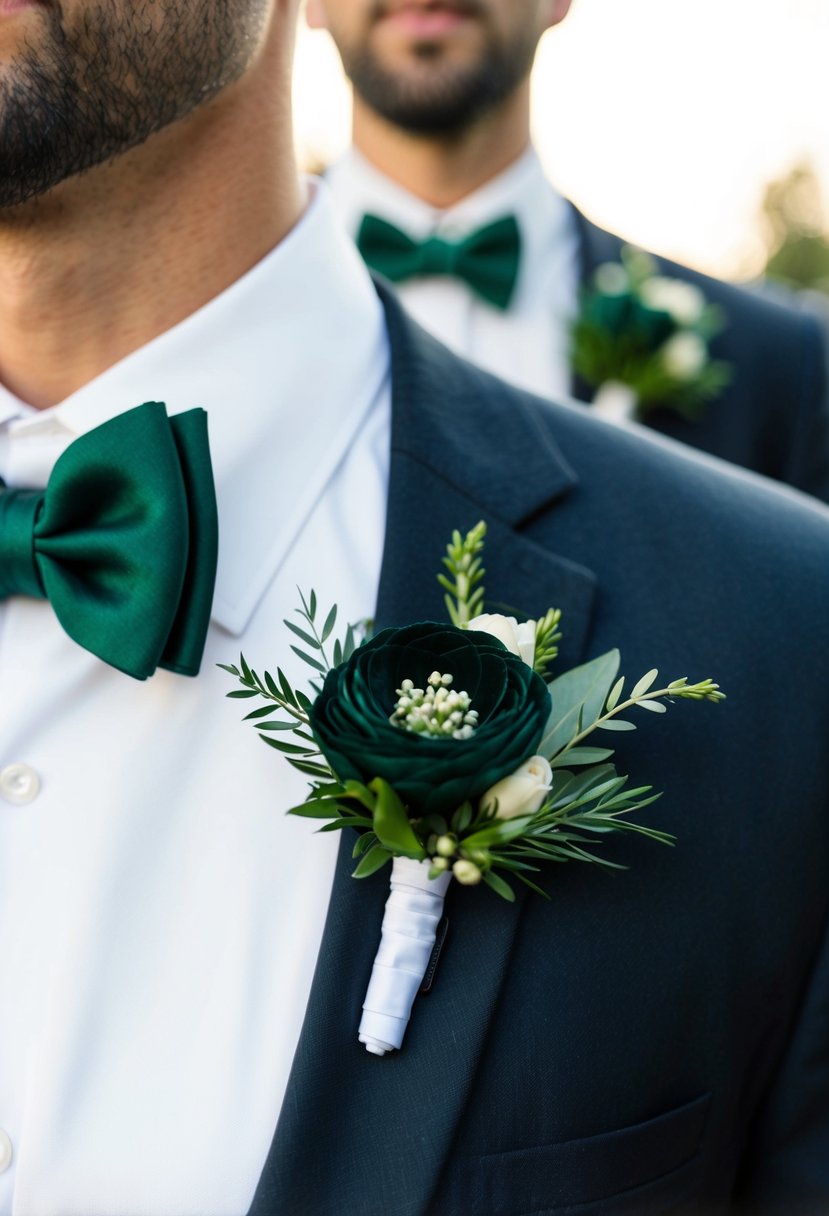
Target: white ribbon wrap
616,402
410,921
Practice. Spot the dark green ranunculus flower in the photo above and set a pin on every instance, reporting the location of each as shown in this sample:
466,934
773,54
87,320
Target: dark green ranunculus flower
350,717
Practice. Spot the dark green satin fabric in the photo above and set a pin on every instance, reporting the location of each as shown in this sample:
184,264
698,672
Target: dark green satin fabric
487,259
123,541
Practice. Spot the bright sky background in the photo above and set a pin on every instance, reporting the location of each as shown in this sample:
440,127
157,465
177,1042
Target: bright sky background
662,119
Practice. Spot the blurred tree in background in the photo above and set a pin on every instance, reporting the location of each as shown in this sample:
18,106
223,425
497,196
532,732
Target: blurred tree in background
796,230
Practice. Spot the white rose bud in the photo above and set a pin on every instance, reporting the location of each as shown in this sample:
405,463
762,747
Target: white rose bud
466,872
519,639
683,301
684,356
523,792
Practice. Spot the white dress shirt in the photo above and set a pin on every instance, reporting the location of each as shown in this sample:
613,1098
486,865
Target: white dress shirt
160,916
528,343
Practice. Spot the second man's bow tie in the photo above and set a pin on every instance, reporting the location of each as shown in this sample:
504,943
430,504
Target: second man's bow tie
487,260
123,541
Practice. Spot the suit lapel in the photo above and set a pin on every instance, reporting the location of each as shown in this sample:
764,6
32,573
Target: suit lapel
359,1134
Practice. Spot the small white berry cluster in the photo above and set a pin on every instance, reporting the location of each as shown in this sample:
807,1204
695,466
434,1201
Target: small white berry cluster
438,710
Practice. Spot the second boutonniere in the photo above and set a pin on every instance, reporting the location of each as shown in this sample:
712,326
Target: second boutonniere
642,340
453,755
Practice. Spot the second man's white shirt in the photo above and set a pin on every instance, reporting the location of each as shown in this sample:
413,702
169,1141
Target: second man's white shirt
528,344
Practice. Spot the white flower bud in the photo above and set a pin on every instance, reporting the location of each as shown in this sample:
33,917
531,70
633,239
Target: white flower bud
682,301
466,872
519,639
611,279
446,846
684,356
523,792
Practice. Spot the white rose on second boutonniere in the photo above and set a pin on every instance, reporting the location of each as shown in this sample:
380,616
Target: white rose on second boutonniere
518,639
523,792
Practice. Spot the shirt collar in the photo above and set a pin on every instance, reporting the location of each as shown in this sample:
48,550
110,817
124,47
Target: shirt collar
288,363
521,189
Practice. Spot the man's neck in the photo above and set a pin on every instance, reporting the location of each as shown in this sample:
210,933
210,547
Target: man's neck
442,170
114,257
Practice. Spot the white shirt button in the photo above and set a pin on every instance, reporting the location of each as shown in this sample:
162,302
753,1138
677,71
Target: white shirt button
5,1151
19,783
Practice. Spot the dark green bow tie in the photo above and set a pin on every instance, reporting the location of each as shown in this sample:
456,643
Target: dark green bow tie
487,259
123,541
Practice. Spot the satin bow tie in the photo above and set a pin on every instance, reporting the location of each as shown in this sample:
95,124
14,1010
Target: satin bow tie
123,541
487,260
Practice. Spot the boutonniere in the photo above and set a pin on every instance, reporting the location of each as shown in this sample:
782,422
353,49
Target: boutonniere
642,339
455,755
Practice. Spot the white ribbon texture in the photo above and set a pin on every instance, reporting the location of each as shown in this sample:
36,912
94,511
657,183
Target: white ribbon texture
410,921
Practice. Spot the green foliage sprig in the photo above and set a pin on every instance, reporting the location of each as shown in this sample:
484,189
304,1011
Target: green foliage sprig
464,597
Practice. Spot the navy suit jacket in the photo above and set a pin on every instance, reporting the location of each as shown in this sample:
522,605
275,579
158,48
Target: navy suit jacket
773,417
649,1041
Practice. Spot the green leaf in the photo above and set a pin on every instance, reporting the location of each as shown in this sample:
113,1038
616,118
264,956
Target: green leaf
234,671
391,823
312,609
365,841
583,755
499,885
315,810
261,712
310,768
615,694
329,624
346,823
462,818
312,662
246,671
656,707
275,725
290,749
373,860
307,638
360,793
243,692
271,684
500,831
616,724
578,698
642,686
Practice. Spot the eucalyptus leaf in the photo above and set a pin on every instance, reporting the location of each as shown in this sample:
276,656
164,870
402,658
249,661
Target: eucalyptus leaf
615,694
616,724
583,755
578,698
307,638
642,686
312,662
330,621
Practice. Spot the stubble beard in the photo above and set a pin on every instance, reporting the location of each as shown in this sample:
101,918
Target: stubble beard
438,97
81,96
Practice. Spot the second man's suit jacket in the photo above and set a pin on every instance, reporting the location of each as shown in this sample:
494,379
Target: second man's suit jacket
773,417
650,1041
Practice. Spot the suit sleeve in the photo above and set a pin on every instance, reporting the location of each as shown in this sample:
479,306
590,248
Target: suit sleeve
786,1172
807,458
